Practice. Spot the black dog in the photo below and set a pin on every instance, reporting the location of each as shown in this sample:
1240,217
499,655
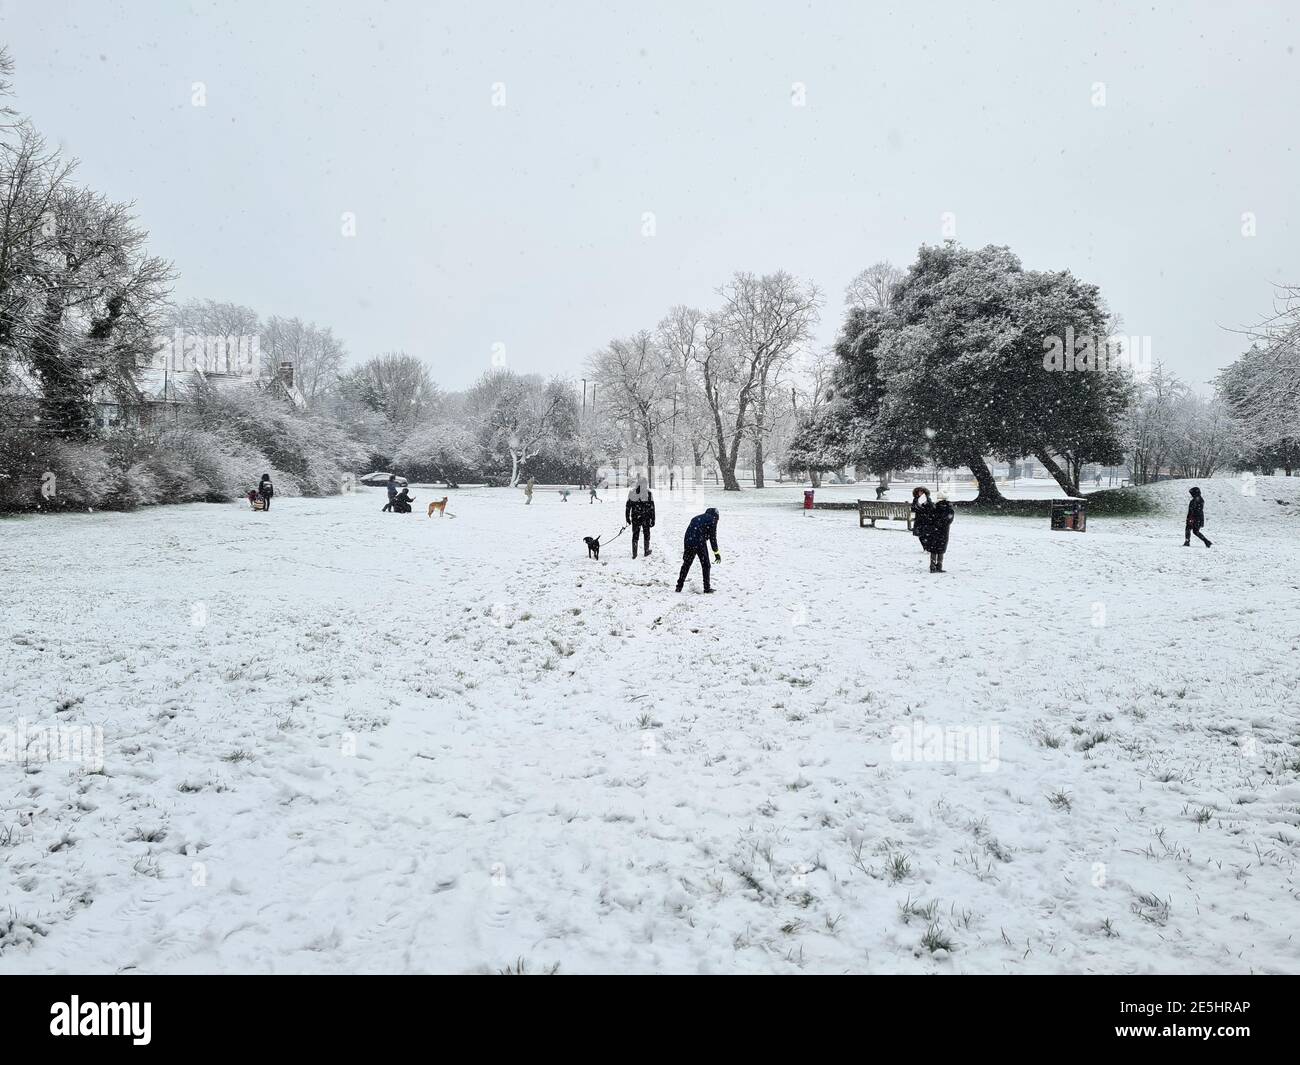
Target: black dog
593,547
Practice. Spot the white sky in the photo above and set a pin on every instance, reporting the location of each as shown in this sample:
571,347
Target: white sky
522,225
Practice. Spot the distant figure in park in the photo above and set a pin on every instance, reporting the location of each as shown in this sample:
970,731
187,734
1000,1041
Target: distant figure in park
922,514
935,538
1195,519
592,497
392,491
528,491
266,490
402,502
882,490
564,495
702,530
640,513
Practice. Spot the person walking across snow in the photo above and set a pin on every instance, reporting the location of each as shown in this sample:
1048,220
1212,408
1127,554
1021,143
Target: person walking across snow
1195,519
702,530
640,513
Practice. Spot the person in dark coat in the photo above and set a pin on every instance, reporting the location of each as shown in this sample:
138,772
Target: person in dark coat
392,492
402,502
922,514
702,530
1195,519
266,490
935,538
639,513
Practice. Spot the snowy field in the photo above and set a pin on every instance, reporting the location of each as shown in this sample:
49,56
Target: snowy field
339,740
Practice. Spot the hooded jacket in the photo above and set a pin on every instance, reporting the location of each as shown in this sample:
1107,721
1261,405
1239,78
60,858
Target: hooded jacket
703,528
1196,509
640,506
935,535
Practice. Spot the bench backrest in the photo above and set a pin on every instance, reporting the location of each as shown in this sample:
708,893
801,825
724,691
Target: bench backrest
872,508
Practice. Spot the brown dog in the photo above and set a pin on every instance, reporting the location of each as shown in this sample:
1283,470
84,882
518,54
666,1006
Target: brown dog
440,506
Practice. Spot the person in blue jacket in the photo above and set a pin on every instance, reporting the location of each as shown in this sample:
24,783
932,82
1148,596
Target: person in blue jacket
392,492
702,530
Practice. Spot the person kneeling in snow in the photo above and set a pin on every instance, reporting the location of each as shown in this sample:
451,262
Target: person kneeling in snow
702,529
640,513
402,502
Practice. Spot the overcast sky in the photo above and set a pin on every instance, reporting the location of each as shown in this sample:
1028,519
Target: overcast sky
523,225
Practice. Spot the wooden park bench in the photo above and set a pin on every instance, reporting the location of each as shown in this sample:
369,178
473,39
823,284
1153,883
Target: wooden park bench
872,509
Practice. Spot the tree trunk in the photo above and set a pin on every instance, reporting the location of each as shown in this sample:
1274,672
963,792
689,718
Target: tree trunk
65,408
988,487
726,460
815,478
758,463
1061,476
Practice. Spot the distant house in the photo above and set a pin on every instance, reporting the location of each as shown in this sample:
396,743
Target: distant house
164,392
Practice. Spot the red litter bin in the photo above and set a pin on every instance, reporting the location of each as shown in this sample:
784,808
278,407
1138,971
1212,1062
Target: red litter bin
807,500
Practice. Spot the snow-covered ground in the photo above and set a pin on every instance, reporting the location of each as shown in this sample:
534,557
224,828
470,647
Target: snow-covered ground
340,740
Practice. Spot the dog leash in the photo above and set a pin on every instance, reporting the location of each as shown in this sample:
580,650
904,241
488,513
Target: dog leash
621,531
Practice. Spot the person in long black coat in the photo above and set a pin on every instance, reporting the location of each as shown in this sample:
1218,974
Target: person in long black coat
936,538
640,513
266,490
922,514
1195,519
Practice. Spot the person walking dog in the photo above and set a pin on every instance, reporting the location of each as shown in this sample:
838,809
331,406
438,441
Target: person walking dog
639,512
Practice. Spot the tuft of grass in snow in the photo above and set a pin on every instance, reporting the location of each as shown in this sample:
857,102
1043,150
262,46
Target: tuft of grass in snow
934,940
897,867
1151,908
521,968
1060,800
910,908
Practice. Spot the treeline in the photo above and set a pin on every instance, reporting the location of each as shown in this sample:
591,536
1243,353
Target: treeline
962,359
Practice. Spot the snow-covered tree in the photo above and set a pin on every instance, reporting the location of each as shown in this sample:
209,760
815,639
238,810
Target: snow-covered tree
766,321
519,417
635,379
1262,388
